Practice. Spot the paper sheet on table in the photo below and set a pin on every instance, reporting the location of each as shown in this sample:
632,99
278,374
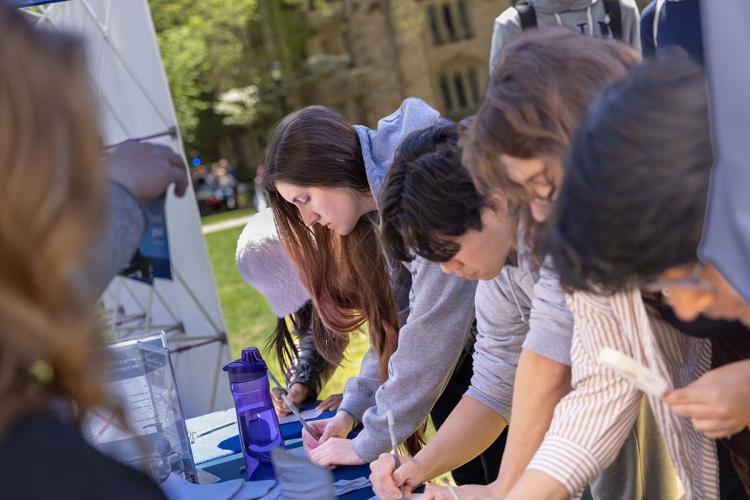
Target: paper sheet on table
307,415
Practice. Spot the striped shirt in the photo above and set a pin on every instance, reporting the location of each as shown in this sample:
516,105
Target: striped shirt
591,423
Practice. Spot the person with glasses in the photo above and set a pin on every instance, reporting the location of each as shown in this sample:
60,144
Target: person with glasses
624,236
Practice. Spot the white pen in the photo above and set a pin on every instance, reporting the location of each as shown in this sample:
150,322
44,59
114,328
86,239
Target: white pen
450,489
394,445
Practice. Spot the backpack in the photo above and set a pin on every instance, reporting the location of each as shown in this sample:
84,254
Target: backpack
527,15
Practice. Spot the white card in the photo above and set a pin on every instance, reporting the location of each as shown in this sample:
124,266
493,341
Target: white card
644,379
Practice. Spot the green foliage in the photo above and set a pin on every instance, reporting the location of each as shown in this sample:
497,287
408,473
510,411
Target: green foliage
202,44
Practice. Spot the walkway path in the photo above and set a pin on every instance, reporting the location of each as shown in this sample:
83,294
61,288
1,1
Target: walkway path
227,224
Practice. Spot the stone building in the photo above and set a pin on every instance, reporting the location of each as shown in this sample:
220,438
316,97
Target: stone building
369,55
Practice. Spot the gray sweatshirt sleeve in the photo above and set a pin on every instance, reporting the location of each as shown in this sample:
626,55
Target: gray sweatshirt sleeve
507,27
359,391
503,306
430,343
120,238
551,326
631,24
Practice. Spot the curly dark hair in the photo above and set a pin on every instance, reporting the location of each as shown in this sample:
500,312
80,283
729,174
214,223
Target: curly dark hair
428,195
636,180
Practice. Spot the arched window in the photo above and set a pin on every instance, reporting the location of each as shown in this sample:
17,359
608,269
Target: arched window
459,84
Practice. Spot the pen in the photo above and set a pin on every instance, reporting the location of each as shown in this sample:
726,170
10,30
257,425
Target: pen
394,445
293,408
449,486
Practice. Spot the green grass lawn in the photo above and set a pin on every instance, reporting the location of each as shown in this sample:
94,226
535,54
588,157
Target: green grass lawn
249,319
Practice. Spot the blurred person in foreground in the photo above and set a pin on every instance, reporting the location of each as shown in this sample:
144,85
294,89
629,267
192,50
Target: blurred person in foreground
49,282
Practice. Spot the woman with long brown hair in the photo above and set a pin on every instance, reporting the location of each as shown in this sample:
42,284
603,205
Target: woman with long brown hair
54,195
324,177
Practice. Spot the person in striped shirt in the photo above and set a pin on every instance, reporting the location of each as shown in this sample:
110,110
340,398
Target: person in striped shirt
625,235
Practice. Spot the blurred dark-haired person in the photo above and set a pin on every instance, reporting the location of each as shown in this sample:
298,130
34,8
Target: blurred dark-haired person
624,237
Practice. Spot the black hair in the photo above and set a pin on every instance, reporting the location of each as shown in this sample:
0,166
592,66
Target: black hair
635,189
305,321
428,195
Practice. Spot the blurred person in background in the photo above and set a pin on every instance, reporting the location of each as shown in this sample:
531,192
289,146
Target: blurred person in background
618,19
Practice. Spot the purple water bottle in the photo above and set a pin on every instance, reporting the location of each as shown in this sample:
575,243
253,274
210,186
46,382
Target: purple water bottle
259,427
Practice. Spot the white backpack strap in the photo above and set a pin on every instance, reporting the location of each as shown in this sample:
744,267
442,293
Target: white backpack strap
657,11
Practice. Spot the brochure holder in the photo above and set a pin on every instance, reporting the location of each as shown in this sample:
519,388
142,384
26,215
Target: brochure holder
140,374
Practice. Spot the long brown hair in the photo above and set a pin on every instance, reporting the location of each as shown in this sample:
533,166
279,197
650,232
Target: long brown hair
54,196
536,96
347,276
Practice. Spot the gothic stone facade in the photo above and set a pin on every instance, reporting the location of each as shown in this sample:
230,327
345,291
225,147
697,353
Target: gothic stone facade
381,51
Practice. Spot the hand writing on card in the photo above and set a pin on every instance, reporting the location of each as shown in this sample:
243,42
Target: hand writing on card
338,426
297,394
718,403
466,492
386,479
335,451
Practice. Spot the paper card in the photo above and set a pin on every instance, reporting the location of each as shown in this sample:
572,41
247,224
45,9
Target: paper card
307,415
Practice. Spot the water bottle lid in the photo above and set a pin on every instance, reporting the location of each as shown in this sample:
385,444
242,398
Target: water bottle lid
250,363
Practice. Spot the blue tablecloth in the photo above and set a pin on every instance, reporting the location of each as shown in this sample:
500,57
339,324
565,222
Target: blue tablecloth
220,452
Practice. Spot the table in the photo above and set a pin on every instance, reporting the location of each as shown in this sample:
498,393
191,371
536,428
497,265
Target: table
220,452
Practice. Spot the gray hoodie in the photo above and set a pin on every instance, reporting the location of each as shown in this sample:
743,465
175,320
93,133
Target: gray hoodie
437,312
576,14
503,307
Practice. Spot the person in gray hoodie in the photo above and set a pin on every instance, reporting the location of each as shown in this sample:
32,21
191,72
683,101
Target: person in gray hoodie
324,177
590,17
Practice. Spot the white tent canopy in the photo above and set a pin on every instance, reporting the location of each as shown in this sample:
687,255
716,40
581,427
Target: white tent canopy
134,101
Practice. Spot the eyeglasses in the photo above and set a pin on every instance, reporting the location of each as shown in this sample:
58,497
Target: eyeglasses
542,179
692,281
